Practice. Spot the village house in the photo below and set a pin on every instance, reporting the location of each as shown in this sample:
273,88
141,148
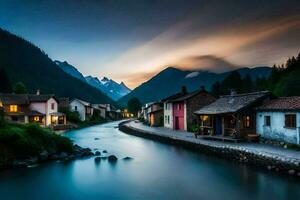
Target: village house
179,108
156,114
279,120
111,112
231,116
32,108
101,108
84,108
146,111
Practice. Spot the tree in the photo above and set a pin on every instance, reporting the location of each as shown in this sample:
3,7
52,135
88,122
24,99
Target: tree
19,88
232,81
5,85
134,105
215,89
247,84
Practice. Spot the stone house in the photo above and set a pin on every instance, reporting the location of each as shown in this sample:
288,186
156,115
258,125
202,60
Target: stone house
232,116
32,108
279,120
156,114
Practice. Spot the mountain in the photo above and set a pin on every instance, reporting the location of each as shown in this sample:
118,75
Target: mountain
25,62
170,80
108,86
71,70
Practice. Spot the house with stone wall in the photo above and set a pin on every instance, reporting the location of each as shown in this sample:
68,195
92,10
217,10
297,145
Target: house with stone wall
279,120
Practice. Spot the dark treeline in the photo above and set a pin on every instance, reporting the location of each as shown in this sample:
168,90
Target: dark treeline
22,61
283,81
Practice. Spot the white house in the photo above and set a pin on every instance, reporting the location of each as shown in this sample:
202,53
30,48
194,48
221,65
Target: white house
168,114
28,108
84,108
279,120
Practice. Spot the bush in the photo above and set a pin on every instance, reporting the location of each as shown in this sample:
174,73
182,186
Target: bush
24,141
193,128
2,120
72,116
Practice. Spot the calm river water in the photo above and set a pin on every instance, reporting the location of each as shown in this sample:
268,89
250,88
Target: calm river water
157,171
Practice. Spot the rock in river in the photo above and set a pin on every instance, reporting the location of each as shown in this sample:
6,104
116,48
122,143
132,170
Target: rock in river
97,153
112,158
127,158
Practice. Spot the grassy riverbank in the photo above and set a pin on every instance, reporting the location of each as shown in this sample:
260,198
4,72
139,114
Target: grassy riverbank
20,142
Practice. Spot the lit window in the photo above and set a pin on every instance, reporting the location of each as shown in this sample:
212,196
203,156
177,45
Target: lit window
13,108
36,118
1,104
267,121
290,121
247,121
205,120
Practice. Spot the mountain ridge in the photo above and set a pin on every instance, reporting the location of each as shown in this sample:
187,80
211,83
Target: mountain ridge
171,79
25,62
108,86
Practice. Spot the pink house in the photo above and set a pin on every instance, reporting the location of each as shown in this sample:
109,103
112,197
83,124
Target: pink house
184,105
178,114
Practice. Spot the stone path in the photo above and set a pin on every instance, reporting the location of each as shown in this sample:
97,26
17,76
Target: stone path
266,150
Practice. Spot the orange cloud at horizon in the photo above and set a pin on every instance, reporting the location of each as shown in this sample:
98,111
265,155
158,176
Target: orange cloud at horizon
236,44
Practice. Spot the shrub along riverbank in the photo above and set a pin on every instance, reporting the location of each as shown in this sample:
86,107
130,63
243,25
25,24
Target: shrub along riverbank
22,145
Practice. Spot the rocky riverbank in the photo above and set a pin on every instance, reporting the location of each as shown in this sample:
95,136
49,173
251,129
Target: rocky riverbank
237,154
45,156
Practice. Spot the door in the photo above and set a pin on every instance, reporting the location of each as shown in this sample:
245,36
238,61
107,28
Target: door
218,125
176,123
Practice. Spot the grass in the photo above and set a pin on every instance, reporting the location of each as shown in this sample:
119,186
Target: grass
25,141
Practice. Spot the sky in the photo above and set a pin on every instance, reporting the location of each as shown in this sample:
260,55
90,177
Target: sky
132,40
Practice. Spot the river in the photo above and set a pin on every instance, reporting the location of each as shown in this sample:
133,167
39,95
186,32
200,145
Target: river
157,171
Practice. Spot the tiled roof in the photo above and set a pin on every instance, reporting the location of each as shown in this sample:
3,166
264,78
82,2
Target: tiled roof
232,103
19,99
282,103
23,99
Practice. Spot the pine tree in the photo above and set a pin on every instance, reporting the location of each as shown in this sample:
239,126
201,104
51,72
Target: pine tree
5,85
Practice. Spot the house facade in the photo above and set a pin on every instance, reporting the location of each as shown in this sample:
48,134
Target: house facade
156,114
29,108
179,108
279,120
84,108
232,115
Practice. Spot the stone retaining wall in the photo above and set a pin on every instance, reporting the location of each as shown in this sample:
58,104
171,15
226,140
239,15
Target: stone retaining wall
274,163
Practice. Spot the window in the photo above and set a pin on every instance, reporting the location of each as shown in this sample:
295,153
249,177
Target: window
267,121
290,121
75,108
13,108
36,118
205,120
168,119
247,121
52,106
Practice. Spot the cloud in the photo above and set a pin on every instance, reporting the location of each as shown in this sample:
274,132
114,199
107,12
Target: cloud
215,48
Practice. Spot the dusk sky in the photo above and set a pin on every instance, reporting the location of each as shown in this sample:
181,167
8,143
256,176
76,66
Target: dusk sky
131,40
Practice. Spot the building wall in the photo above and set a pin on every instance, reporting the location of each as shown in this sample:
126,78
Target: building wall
168,114
38,106
155,118
277,131
80,109
195,103
49,110
178,113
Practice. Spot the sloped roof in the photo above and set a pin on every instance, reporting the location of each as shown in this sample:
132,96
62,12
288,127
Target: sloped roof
41,97
232,103
282,103
82,102
187,96
23,99
34,113
19,99
172,97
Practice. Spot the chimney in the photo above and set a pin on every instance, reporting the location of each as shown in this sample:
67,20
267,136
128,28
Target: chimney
38,92
183,90
232,92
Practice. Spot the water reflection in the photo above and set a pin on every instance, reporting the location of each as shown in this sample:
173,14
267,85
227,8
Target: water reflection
157,171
